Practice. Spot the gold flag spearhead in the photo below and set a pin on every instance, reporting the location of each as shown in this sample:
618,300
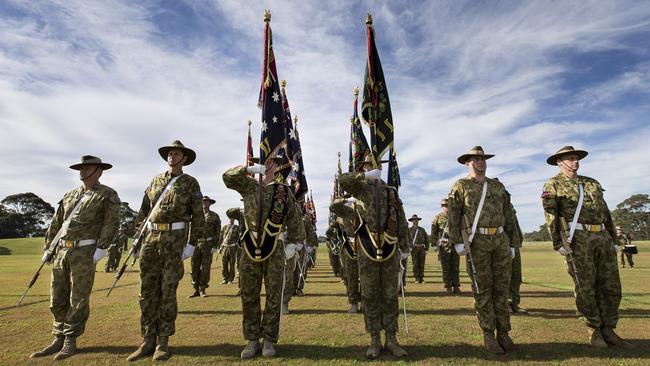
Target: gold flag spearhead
356,91
368,19
249,123
267,15
283,83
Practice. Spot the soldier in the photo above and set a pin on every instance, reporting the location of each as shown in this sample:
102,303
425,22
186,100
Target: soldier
333,251
202,257
172,212
420,244
263,260
118,245
292,272
480,206
516,277
88,216
346,216
575,204
237,213
449,259
229,248
306,255
623,242
383,238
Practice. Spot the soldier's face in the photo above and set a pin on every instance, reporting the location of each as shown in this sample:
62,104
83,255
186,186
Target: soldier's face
90,172
206,206
232,221
570,162
416,223
444,209
175,157
477,164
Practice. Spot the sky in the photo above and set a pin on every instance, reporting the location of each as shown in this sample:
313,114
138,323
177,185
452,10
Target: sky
118,79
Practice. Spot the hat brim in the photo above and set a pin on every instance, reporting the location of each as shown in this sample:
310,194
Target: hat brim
212,202
552,160
189,153
415,219
104,166
463,158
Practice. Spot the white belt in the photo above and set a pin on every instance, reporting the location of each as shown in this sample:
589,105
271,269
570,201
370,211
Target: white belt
490,230
230,245
209,238
77,243
166,226
589,227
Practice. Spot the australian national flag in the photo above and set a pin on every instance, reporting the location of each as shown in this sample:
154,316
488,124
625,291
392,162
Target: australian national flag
293,152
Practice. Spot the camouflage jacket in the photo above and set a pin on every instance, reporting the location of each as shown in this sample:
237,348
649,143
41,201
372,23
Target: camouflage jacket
310,233
517,238
236,179
367,205
212,228
121,242
440,229
183,202
422,238
560,199
229,234
98,217
346,216
464,199
622,240
236,213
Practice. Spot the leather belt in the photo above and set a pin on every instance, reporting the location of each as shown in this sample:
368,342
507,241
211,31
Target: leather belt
166,226
594,228
77,243
203,240
489,230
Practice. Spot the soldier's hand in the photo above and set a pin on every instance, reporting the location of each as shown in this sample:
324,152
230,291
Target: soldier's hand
564,251
213,250
289,251
256,169
404,255
99,254
45,258
617,248
512,253
461,249
374,174
188,251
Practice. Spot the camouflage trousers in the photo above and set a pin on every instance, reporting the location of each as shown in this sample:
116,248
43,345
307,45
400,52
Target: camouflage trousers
113,260
379,291
201,261
599,295
229,263
515,278
289,284
161,269
256,324
351,278
450,263
335,263
300,272
418,256
493,263
627,255
73,274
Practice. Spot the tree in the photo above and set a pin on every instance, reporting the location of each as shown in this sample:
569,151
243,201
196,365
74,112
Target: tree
11,224
540,235
127,220
26,215
633,215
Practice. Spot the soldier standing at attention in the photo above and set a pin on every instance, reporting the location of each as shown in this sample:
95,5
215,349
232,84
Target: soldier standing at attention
172,210
229,250
481,206
264,255
202,257
449,259
420,244
516,275
581,230
89,216
382,248
118,245
623,242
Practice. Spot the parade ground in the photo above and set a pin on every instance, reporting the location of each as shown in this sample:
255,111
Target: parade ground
443,328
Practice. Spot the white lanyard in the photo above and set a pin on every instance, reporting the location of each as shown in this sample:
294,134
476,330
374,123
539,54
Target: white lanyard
574,222
478,211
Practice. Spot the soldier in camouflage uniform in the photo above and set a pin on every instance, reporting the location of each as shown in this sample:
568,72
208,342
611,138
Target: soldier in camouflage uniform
84,242
592,247
516,276
335,258
229,250
623,242
449,259
118,245
490,247
264,256
175,225
202,257
420,243
291,272
382,247
305,256
346,216
236,213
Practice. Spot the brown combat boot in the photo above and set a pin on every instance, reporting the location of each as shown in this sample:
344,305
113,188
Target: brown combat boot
54,347
203,294
491,343
392,346
147,348
162,350
268,350
196,293
456,290
448,289
375,346
250,350
354,308
69,349
505,341
596,338
284,309
613,339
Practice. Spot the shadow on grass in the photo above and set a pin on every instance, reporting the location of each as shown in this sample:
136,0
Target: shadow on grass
571,313
210,312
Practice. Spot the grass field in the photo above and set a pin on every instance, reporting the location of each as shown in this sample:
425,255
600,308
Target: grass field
443,329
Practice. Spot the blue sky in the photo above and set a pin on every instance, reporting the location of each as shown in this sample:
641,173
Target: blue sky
118,79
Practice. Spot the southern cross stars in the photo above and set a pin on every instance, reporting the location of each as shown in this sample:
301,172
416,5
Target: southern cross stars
264,126
276,97
292,133
275,119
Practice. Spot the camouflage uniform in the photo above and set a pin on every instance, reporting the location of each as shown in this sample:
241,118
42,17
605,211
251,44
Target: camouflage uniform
292,272
490,251
73,270
255,324
304,258
161,267
379,280
622,241
237,214
449,259
599,294
202,257
516,276
420,245
347,218
118,245
229,250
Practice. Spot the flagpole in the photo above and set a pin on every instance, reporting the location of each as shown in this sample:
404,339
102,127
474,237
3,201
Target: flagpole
266,84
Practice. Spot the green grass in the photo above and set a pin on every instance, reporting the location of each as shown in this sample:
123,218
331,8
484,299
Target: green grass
443,329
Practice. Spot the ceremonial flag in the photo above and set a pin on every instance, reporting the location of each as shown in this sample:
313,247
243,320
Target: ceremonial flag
310,209
249,148
375,108
293,149
359,149
393,170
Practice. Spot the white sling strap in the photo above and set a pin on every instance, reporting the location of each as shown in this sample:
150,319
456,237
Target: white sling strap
478,212
574,222
155,206
442,234
415,237
64,227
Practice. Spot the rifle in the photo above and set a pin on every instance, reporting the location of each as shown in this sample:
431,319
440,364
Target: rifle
48,258
135,248
464,232
573,270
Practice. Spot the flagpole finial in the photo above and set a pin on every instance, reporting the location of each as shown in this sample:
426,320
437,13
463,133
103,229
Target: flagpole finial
339,154
283,83
295,120
368,19
249,123
352,119
267,15
356,91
